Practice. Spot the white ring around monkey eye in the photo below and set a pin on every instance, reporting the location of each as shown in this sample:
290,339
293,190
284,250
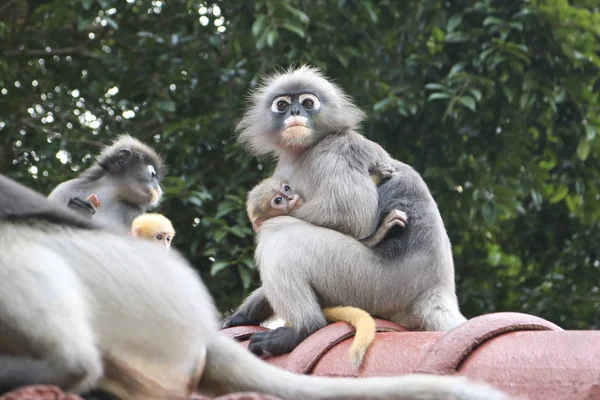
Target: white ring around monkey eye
274,106
311,97
152,170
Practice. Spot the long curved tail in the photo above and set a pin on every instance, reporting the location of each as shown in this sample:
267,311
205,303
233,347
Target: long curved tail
231,368
364,325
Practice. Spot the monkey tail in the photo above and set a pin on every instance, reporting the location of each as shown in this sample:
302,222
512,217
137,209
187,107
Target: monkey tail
364,325
231,368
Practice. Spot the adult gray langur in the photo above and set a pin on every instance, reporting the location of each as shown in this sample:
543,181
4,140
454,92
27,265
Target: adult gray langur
313,259
83,307
125,180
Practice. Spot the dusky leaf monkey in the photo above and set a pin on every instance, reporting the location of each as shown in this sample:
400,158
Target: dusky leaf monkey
80,303
273,197
125,177
309,124
154,227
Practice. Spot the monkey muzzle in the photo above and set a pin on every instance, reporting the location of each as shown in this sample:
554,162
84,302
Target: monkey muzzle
296,126
295,201
156,193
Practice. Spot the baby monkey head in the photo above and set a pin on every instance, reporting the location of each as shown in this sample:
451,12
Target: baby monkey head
135,170
271,198
293,110
154,227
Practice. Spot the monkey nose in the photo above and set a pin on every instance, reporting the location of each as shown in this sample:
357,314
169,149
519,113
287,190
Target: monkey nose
295,110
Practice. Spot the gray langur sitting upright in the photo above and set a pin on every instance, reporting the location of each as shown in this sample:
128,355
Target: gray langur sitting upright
309,124
125,180
86,308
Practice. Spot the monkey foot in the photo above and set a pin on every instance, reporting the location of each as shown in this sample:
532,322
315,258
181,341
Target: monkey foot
277,341
396,218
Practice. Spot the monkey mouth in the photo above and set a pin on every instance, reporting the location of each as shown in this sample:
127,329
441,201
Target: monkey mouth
295,202
295,122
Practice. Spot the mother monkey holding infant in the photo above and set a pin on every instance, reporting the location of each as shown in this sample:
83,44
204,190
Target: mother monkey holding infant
313,258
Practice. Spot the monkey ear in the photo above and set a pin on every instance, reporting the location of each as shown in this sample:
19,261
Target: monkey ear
135,231
122,156
257,223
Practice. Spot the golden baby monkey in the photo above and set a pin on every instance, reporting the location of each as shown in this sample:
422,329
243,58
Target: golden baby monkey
154,227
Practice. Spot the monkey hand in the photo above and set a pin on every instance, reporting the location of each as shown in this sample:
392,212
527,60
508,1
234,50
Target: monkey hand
277,341
239,318
82,206
381,172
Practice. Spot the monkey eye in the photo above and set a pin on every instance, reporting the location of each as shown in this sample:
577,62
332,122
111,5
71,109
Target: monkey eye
159,237
152,171
286,188
168,238
310,101
280,104
278,200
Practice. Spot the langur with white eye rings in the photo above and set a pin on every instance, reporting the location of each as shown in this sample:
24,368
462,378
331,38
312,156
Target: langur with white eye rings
125,177
309,124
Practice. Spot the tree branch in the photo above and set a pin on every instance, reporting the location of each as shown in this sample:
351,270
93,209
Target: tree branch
53,52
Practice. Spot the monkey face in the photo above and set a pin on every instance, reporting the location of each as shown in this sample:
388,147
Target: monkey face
164,238
295,113
286,200
141,184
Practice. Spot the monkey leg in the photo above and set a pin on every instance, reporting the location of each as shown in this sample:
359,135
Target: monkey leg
82,206
435,311
394,218
253,311
45,336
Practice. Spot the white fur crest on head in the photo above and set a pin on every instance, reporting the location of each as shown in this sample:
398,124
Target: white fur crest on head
338,111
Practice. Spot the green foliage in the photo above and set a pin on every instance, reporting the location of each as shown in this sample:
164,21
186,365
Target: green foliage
495,103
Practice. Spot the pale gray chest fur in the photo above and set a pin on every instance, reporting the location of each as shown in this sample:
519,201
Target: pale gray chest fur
333,177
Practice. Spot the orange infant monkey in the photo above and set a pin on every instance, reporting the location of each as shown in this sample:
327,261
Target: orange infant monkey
154,227
273,198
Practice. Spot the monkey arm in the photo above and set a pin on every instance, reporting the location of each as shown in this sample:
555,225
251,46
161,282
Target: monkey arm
253,311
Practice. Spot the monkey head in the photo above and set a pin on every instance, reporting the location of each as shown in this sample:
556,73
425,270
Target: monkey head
271,198
135,170
293,110
155,227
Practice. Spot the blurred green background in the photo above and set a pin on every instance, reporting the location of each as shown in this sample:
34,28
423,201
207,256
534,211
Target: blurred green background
496,103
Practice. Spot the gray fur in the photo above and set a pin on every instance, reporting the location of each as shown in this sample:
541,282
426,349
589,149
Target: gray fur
75,295
123,189
408,278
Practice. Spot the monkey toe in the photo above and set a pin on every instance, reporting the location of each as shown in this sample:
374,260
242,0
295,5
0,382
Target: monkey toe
399,216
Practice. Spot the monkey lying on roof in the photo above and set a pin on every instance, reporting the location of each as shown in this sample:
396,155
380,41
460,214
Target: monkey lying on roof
74,297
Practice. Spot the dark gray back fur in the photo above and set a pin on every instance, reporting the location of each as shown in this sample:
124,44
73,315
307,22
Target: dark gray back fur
20,203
